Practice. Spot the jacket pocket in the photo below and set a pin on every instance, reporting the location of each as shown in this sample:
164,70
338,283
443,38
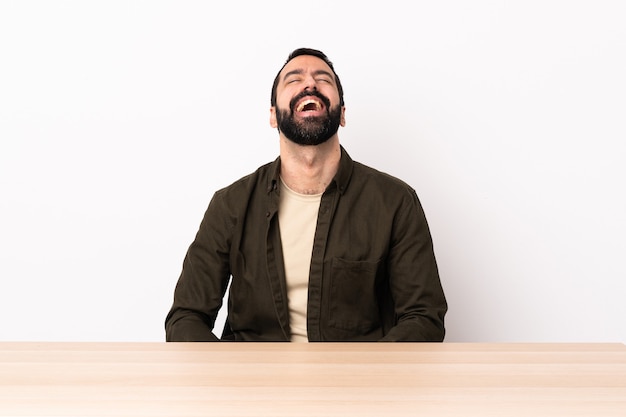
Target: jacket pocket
353,295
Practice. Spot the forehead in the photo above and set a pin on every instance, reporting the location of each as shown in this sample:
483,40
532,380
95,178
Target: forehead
305,63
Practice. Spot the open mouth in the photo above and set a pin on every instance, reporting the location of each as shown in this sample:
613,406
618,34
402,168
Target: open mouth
309,104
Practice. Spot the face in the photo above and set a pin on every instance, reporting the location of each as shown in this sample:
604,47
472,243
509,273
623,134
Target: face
307,110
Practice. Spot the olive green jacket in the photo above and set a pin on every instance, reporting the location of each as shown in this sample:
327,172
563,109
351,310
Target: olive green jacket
373,273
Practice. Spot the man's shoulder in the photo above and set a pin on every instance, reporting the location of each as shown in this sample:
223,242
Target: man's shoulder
366,174
261,176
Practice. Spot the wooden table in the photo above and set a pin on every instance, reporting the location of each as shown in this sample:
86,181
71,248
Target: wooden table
321,380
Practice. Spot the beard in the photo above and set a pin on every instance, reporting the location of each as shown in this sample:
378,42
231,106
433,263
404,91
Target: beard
309,131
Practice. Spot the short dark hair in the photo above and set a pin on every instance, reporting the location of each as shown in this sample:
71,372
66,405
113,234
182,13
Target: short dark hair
312,52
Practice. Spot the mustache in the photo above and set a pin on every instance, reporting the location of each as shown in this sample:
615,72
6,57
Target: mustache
307,93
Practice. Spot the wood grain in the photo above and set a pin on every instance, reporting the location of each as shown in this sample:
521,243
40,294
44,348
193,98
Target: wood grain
329,379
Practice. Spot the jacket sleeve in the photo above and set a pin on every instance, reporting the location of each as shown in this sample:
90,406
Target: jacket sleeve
204,279
419,301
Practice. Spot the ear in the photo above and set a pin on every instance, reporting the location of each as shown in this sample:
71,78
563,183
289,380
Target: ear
342,122
273,122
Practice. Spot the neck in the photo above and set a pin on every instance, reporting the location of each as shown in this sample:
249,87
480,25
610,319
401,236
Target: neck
309,169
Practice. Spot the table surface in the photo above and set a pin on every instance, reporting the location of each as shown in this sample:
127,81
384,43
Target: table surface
321,379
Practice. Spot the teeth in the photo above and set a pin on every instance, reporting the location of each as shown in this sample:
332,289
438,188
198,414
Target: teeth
304,103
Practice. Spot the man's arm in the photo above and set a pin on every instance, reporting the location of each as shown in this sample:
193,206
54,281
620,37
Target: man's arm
418,296
203,281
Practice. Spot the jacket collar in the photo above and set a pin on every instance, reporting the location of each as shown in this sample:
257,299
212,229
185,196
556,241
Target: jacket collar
341,179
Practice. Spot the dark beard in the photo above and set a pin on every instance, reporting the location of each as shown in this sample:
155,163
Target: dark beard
310,131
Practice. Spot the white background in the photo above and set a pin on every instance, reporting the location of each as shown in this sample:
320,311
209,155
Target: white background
119,119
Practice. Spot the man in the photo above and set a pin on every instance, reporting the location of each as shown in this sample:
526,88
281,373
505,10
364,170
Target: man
319,247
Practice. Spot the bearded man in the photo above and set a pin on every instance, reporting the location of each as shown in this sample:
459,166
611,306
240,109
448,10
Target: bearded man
315,246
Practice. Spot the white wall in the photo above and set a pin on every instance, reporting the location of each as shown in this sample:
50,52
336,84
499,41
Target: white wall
118,121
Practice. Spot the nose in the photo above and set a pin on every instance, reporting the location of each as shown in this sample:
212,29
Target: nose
310,83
